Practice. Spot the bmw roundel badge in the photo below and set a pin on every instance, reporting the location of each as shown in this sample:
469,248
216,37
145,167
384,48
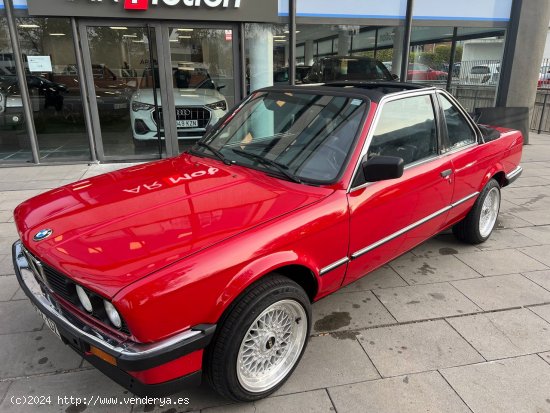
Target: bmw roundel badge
43,234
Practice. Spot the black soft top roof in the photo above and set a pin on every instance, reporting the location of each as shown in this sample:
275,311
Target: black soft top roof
374,90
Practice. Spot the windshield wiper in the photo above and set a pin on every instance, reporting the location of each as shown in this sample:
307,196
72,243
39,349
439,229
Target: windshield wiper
268,162
215,152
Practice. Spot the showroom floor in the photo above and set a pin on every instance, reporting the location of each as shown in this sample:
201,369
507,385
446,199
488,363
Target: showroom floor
446,328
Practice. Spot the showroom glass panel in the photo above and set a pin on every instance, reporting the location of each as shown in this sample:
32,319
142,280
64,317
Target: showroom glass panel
266,54
324,40
127,89
475,71
54,87
203,81
14,142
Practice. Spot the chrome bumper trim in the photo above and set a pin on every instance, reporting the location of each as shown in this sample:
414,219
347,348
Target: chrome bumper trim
513,174
128,350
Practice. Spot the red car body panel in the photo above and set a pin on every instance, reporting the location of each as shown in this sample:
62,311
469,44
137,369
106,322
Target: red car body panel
174,242
133,222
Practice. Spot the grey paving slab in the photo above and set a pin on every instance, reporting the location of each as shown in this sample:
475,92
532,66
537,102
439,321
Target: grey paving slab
4,385
422,270
422,302
89,384
540,234
384,277
313,401
355,310
19,295
518,385
541,202
8,287
505,333
533,181
505,239
541,253
527,191
535,217
542,311
417,393
505,291
499,262
18,317
201,397
330,361
7,229
541,278
44,173
508,220
6,216
443,244
35,353
546,356
417,347
6,265
5,246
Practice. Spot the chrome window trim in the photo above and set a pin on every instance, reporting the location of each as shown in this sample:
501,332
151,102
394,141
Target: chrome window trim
333,266
388,98
469,120
414,225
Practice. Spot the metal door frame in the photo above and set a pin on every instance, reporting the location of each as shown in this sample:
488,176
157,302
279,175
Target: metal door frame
169,99
162,44
88,76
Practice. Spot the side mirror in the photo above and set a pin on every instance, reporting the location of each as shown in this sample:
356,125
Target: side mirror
381,168
220,87
394,76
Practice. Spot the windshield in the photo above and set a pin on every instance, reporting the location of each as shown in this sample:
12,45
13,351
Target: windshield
310,136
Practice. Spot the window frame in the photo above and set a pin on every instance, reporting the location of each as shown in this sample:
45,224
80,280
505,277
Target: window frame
440,127
445,141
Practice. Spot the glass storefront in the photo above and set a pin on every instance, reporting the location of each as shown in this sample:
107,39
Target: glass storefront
155,85
14,142
53,81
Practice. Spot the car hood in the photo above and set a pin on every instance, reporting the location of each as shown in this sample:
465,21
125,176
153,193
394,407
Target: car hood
182,97
114,229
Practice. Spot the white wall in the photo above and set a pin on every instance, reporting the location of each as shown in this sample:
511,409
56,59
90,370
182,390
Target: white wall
546,54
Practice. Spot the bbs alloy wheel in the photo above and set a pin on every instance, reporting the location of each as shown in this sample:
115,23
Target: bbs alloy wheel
260,340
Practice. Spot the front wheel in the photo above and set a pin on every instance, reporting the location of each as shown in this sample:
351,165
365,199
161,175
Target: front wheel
260,341
478,225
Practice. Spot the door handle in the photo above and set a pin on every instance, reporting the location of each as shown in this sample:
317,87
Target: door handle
446,173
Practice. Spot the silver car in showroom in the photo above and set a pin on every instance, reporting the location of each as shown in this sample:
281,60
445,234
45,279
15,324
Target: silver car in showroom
198,100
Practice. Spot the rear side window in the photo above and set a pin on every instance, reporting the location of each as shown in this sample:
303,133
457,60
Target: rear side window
459,131
406,129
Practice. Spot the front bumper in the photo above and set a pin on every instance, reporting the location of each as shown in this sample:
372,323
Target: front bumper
130,356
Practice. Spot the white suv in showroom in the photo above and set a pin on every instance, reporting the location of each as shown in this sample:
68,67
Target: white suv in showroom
199,103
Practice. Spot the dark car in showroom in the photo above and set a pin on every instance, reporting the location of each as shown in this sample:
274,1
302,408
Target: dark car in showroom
338,68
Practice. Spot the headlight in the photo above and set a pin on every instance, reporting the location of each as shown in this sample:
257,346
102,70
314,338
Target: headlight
84,299
221,105
137,106
112,313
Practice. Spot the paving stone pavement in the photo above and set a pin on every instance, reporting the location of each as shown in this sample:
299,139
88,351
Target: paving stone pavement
446,328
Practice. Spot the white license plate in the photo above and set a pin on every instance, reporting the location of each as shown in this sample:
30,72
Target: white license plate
187,123
121,106
51,325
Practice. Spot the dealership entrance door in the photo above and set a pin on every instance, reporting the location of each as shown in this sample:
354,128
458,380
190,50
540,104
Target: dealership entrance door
155,88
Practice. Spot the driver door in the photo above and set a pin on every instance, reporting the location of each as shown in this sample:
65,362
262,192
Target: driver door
390,217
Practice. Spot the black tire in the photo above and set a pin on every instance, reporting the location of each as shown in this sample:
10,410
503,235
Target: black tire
468,230
221,356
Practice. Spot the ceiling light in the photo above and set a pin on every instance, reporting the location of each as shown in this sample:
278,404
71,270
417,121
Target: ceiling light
129,35
29,26
118,28
185,30
57,34
184,37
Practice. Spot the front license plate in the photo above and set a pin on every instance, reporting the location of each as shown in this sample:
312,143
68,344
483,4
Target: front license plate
51,325
187,123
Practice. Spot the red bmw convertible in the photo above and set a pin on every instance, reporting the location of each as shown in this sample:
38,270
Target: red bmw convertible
207,264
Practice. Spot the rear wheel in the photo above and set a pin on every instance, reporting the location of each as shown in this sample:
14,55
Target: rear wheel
260,341
478,225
